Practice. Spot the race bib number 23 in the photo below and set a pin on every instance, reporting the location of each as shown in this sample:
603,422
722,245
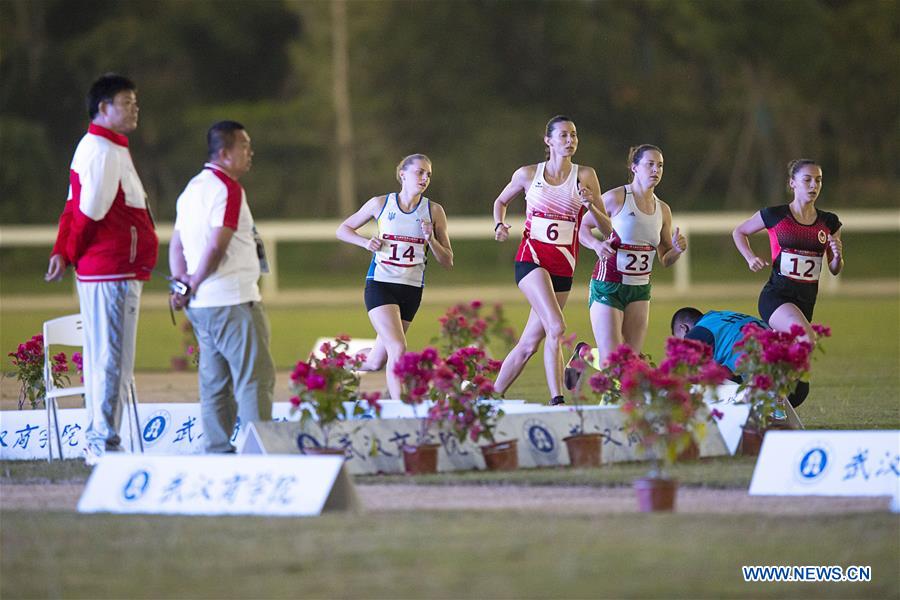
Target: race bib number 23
635,260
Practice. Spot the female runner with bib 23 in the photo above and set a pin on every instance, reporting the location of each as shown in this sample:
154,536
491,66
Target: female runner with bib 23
557,194
409,225
800,236
620,284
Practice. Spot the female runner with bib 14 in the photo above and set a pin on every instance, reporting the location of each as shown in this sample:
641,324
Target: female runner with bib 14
409,226
557,195
801,236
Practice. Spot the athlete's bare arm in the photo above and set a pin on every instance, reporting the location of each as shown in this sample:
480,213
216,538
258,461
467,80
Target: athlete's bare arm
518,184
346,231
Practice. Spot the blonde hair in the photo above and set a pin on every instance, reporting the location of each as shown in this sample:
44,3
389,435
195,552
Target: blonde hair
405,163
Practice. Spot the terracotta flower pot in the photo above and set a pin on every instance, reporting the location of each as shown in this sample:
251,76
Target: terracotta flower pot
585,449
654,494
179,363
502,456
692,452
420,459
751,441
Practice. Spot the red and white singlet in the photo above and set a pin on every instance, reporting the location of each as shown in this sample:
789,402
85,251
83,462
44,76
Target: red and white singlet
552,216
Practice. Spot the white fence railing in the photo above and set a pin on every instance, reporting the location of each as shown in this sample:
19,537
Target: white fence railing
471,228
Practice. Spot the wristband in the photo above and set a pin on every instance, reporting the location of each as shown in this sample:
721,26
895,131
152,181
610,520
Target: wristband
497,226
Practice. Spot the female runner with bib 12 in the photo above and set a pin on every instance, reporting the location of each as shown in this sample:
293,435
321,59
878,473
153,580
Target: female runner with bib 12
801,237
557,195
409,226
619,301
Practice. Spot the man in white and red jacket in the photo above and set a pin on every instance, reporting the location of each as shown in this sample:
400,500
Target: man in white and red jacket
106,232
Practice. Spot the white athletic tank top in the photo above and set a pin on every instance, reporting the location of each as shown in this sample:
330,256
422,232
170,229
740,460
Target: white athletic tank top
635,236
404,251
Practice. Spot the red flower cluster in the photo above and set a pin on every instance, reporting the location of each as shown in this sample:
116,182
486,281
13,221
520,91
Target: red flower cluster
663,405
28,359
462,325
323,384
457,388
770,365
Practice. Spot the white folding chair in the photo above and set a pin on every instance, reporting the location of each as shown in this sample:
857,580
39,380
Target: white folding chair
68,331
65,331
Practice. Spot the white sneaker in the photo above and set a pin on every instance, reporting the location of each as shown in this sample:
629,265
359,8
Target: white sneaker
92,455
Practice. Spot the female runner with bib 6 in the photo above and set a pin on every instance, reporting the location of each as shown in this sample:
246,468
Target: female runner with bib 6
801,237
557,195
409,225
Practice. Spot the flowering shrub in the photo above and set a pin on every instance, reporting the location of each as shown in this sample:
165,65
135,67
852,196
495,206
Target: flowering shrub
28,359
323,385
770,365
458,388
663,405
604,386
462,325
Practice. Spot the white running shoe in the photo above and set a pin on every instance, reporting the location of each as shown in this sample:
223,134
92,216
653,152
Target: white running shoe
92,455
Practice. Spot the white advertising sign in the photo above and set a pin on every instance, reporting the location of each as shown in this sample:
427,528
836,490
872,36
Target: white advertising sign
166,428
218,485
373,445
23,433
828,463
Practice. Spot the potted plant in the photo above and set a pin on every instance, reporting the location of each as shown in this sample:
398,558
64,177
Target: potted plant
461,392
463,325
664,406
585,448
770,365
416,371
28,360
322,386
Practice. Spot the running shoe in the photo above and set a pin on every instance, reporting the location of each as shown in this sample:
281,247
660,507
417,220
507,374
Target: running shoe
571,375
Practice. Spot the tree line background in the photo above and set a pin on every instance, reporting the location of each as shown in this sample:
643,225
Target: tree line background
334,93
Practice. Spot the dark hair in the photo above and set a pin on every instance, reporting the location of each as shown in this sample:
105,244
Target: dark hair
796,165
636,153
105,89
221,136
551,125
687,315
405,163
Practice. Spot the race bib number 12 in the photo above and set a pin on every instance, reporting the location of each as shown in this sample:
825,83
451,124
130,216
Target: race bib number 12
801,266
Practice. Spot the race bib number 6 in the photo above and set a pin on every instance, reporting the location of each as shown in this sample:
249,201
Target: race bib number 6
552,231
801,266
635,260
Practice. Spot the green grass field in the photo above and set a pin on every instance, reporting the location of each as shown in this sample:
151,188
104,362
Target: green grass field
437,555
476,554
855,382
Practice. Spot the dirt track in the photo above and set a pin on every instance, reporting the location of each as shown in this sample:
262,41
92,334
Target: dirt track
550,499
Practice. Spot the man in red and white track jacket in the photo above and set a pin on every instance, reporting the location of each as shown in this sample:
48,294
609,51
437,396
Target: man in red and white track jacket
106,232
